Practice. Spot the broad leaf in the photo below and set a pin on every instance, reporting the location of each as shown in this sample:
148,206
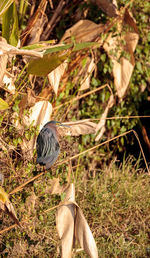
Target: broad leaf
4,5
10,30
3,104
43,66
77,128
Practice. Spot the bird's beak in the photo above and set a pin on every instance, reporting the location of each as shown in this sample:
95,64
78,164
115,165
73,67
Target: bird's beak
64,125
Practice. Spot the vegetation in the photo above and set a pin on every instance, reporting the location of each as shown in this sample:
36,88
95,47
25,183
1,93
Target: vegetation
111,186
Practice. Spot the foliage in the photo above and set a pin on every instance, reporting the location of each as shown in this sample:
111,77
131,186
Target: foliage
114,197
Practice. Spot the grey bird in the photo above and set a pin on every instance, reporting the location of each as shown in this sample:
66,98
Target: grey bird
47,144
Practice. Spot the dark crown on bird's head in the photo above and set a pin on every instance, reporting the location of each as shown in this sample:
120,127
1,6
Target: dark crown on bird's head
55,123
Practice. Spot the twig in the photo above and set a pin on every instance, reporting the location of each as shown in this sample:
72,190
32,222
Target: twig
83,95
119,117
19,188
48,29
7,229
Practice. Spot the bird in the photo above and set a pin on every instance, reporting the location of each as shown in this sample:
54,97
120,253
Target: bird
6,206
47,144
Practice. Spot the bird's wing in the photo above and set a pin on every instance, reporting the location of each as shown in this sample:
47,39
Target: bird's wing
47,146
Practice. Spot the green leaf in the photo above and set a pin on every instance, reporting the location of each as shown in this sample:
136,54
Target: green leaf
14,36
80,46
6,23
139,66
4,5
43,66
10,30
3,104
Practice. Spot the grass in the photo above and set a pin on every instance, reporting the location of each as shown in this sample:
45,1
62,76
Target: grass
115,201
116,204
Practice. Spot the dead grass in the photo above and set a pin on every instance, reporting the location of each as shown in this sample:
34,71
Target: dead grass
115,201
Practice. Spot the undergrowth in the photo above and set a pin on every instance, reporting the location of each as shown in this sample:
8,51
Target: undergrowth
115,200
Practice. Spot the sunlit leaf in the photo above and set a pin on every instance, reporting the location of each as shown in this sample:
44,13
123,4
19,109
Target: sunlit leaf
10,29
43,66
3,104
77,128
72,225
4,5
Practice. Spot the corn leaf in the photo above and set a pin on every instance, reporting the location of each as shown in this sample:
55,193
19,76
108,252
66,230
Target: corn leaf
3,104
4,5
43,66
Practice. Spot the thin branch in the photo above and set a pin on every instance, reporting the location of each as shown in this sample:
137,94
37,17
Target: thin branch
19,188
83,95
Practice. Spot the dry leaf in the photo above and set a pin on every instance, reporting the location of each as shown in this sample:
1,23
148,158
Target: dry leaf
6,205
3,60
102,122
55,76
34,28
122,73
65,223
129,19
8,83
71,223
54,186
83,31
27,101
109,7
85,83
30,202
39,115
84,235
80,127
11,50
122,70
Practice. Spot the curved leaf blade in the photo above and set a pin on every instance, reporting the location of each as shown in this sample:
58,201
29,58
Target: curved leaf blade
45,65
3,104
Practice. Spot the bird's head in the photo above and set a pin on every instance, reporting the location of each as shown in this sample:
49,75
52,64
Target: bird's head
55,123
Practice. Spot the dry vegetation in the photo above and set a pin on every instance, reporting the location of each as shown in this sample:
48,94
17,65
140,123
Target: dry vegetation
79,63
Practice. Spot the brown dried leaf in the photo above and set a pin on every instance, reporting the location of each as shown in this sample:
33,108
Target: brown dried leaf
102,122
122,73
34,28
65,223
27,101
80,127
3,60
11,50
30,202
71,223
11,212
109,7
84,235
83,31
39,115
129,19
55,76
122,70
8,83
85,83
54,186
